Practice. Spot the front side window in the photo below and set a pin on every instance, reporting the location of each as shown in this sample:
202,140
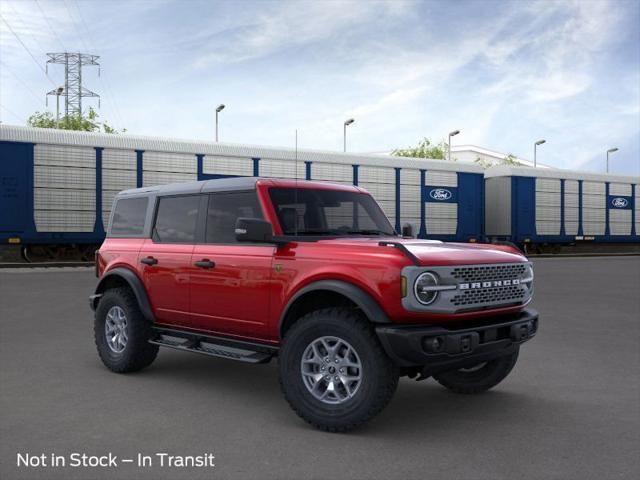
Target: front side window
224,210
307,211
128,216
176,219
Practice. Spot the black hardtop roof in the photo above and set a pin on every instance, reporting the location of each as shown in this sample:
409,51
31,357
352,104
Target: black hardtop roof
202,186
222,185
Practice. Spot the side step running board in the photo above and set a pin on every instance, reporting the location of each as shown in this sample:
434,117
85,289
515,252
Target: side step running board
214,346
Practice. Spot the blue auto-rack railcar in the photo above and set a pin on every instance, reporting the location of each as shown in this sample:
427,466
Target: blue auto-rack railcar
58,186
552,206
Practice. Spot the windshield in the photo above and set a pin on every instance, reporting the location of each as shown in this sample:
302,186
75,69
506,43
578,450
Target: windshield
307,211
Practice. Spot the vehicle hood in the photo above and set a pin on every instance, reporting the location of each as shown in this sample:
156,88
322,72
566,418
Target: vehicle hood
434,252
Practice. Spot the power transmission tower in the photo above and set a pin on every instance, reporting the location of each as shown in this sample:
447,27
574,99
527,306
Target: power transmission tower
73,91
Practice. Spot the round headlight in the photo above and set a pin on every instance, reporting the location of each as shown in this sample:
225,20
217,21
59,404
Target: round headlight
422,288
527,281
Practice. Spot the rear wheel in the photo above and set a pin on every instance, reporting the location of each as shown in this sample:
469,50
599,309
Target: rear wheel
122,333
478,378
333,371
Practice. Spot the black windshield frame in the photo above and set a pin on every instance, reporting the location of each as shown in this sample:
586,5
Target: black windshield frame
312,213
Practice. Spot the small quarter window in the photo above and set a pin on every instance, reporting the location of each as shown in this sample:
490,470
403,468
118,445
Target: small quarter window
128,216
176,219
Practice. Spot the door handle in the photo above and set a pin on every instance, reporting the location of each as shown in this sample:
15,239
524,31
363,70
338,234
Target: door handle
149,261
205,263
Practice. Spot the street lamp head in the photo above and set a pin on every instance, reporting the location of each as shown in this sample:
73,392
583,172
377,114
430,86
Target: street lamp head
220,108
611,150
540,142
349,122
454,133
60,90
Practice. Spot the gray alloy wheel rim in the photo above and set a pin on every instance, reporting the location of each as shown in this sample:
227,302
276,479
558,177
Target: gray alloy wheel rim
331,370
115,329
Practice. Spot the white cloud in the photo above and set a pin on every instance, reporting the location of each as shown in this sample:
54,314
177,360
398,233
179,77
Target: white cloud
283,25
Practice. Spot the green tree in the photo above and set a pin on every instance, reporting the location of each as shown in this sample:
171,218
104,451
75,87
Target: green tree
510,159
88,123
424,149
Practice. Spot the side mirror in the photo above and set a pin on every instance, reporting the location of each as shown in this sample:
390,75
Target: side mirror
253,230
407,230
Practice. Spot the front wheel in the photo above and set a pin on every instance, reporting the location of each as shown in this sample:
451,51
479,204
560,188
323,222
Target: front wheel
478,378
333,371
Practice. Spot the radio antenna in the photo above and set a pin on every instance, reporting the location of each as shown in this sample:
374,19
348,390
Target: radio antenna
295,191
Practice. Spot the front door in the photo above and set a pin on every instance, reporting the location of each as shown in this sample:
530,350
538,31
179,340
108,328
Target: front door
230,281
165,259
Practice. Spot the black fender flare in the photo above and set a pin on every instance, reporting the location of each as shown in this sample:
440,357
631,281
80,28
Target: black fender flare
362,299
134,283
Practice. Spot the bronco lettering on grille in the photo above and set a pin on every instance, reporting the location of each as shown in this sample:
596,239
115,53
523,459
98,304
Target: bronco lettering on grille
494,283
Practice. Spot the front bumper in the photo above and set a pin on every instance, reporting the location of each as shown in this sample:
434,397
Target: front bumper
442,348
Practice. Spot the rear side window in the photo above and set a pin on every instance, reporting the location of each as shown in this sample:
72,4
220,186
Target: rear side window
176,219
224,210
128,216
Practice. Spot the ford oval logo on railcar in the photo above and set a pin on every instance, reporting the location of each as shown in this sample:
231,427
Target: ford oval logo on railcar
619,202
440,194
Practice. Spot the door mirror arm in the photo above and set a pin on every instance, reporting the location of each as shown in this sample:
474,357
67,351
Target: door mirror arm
257,230
280,241
407,230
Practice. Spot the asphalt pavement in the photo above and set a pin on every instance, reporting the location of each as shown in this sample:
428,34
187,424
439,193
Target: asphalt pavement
570,409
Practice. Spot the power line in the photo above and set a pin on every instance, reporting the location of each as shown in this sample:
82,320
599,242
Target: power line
75,27
32,92
46,18
12,113
73,90
105,82
24,27
27,49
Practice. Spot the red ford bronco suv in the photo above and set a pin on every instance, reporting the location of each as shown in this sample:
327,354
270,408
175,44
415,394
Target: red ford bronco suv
313,273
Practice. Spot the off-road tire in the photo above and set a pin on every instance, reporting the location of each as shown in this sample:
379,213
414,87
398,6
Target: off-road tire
138,352
379,376
481,380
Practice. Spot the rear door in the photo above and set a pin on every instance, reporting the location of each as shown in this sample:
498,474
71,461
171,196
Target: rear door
165,258
230,281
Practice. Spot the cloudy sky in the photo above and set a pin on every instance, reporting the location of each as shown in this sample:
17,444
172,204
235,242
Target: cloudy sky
504,73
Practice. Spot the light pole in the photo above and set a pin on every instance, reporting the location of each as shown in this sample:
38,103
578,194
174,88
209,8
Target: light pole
611,150
218,110
344,134
451,134
535,147
59,91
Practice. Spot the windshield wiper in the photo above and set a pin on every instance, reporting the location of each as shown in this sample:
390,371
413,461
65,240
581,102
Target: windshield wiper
339,232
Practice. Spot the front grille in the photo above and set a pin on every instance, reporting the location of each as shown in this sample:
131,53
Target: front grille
479,287
479,273
509,294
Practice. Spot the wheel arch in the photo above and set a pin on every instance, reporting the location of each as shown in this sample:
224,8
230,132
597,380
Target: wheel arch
121,276
327,293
